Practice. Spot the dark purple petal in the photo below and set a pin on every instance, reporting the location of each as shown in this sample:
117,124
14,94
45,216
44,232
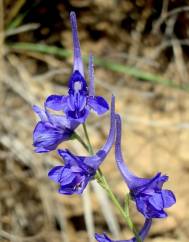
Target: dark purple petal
47,138
143,234
41,113
91,76
95,160
168,198
78,117
103,238
77,84
78,63
98,104
56,102
77,186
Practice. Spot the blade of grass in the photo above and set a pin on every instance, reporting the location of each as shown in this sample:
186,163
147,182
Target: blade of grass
18,18
111,65
15,10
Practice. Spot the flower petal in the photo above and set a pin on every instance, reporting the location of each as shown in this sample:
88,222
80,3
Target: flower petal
56,102
77,84
62,122
41,113
98,104
68,157
168,198
156,201
79,117
47,138
78,63
55,173
148,209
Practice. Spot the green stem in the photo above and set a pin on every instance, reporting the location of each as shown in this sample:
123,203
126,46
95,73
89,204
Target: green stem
103,182
90,148
76,136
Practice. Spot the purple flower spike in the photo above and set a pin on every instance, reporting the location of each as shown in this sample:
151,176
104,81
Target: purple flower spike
143,234
51,130
148,194
78,63
79,170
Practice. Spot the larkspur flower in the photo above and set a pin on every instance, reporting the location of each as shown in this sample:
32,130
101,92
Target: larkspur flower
148,194
51,130
142,234
79,170
80,99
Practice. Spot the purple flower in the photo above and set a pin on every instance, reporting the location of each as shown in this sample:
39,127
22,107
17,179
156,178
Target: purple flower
73,176
51,130
79,170
142,234
80,99
148,194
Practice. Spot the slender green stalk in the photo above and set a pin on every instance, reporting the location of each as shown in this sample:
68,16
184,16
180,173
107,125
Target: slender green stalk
76,136
103,182
90,148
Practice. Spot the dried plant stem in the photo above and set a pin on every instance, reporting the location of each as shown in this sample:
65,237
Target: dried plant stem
1,34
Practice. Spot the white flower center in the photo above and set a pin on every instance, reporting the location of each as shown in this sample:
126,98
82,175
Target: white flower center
77,86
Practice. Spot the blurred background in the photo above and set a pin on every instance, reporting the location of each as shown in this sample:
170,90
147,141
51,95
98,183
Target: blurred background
141,51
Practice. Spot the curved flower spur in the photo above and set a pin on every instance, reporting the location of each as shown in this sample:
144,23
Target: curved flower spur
52,129
77,171
148,194
143,234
